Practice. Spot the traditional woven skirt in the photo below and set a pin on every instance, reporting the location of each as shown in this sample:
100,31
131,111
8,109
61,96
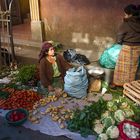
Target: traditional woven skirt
127,64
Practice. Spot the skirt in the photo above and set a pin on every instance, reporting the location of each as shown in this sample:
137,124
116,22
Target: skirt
127,65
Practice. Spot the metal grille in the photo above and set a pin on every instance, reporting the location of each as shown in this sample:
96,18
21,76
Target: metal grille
7,53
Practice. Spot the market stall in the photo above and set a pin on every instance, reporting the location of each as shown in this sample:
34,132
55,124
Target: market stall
63,114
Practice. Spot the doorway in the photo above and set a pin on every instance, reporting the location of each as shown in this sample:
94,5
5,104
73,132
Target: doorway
20,13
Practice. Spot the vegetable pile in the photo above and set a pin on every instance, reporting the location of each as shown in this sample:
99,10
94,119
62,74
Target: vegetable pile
4,95
82,120
102,118
26,75
21,99
16,116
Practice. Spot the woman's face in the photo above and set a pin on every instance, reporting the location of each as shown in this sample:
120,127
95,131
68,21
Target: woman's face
127,16
51,51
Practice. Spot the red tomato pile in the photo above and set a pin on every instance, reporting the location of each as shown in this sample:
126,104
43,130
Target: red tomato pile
21,99
16,116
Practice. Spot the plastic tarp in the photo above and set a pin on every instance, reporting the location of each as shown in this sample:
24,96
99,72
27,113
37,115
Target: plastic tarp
109,56
49,127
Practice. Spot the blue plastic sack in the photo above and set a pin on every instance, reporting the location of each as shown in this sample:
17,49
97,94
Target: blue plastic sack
76,82
109,57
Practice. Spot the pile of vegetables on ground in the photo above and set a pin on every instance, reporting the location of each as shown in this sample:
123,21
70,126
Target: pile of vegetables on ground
19,99
100,118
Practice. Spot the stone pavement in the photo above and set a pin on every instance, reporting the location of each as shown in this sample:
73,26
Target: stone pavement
8,132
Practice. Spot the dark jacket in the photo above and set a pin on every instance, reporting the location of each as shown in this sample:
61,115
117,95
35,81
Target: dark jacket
46,69
129,32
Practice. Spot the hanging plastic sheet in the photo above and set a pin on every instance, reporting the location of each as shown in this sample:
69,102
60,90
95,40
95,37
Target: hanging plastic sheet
109,57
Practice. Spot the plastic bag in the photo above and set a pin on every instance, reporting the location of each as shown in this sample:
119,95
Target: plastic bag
76,82
70,55
109,57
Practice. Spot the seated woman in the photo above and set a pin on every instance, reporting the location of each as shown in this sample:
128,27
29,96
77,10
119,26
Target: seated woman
52,68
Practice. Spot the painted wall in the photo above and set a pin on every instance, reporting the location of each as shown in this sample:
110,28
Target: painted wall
87,25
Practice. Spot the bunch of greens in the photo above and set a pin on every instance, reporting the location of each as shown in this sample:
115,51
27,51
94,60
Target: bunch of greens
26,73
82,120
4,94
116,93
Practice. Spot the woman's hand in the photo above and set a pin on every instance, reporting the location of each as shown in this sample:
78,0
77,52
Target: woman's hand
50,88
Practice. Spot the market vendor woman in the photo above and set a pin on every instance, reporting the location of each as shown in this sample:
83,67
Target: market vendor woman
128,36
52,68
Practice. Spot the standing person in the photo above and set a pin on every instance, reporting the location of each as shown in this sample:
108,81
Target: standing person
128,36
52,68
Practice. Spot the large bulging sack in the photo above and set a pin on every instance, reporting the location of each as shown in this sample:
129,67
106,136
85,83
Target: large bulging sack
76,82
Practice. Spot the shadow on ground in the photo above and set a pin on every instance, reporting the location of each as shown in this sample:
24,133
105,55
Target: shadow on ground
8,132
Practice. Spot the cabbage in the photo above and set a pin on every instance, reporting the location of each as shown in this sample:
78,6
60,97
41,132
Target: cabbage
102,136
124,105
96,121
112,106
105,114
119,115
112,132
128,113
108,121
122,99
98,128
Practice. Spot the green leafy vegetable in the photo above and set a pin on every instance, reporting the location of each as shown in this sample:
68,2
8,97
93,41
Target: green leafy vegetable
26,73
83,119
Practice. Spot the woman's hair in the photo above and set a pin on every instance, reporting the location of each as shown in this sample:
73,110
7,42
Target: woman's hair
44,49
138,10
131,9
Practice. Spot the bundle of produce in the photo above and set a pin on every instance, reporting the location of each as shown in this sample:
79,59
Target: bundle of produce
5,93
21,99
118,110
83,120
27,75
102,118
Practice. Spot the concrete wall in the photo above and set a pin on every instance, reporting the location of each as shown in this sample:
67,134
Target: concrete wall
87,25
